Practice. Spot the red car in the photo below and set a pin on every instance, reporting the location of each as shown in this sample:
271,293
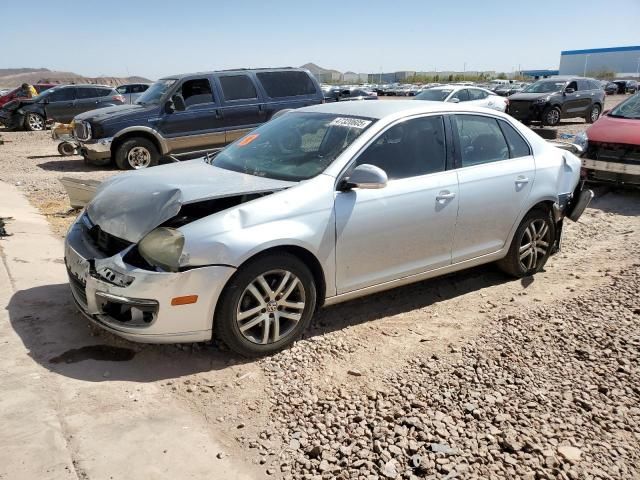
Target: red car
612,144
13,94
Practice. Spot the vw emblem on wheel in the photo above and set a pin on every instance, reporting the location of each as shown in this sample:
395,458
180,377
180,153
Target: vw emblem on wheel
272,307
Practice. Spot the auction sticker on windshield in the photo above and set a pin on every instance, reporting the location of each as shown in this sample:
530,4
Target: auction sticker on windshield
350,122
248,139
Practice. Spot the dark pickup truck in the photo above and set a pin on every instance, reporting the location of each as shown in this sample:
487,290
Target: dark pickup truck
552,99
191,113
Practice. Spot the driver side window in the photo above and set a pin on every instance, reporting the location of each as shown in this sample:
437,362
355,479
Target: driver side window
573,85
462,95
196,91
481,140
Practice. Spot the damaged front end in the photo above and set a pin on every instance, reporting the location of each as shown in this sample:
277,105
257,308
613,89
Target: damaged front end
125,260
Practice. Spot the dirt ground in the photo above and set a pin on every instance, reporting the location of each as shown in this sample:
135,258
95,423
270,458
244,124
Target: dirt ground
479,375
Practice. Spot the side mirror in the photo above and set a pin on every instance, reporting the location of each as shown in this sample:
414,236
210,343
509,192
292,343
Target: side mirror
169,107
367,176
178,102
454,100
569,90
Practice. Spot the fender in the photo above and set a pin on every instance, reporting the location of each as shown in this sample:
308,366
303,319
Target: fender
140,128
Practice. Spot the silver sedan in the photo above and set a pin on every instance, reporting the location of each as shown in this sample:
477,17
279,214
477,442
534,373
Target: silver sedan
321,205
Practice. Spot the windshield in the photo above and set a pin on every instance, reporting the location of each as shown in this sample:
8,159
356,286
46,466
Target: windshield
627,109
156,91
295,147
435,95
545,86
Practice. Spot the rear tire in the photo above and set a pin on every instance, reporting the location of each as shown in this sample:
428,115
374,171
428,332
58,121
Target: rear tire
593,114
276,295
531,246
137,153
551,116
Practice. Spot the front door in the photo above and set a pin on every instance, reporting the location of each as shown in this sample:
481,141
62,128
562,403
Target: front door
242,108
573,103
61,106
197,122
406,227
495,174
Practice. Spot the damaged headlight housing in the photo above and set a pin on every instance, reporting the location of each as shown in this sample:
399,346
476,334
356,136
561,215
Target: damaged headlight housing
581,140
163,248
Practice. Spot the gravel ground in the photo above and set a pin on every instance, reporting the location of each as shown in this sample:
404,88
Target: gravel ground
552,392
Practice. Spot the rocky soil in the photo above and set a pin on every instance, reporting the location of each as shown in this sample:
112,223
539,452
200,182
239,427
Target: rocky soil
551,392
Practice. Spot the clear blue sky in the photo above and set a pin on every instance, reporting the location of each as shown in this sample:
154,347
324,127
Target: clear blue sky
156,38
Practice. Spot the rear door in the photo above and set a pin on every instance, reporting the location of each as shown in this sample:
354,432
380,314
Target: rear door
200,125
90,98
61,105
496,170
242,108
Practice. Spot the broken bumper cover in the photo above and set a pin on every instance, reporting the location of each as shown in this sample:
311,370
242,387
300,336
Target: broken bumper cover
98,149
134,303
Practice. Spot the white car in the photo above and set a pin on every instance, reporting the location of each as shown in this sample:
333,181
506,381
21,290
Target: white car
317,206
475,96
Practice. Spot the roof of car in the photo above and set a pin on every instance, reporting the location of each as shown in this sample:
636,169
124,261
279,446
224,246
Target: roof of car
384,108
236,70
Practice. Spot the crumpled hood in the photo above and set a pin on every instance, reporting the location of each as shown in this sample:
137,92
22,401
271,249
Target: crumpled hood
130,205
115,113
17,103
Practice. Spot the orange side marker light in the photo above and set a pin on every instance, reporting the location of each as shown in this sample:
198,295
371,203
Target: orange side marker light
186,300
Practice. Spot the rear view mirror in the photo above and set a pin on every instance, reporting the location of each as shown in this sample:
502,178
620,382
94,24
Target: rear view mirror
367,176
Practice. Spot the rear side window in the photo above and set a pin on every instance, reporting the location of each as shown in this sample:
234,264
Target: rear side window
196,92
237,87
584,85
518,147
476,94
595,85
62,95
286,84
481,140
87,93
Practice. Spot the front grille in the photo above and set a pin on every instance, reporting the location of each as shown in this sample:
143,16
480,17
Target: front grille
519,108
82,131
107,243
78,288
614,152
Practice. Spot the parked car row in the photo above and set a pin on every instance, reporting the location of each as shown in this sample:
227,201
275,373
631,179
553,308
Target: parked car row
468,94
12,94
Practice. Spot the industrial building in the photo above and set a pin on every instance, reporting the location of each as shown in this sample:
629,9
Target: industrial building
624,62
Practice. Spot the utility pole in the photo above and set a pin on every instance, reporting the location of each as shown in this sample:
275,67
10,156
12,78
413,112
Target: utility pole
586,59
464,71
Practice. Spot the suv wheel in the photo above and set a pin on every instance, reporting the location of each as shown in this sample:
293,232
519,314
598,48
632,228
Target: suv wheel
551,116
137,153
266,305
531,245
594,114
34,122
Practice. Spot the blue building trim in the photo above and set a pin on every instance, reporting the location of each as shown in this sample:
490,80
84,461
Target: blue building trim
539,73
601,50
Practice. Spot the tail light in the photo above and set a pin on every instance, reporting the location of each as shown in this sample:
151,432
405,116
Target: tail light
118,98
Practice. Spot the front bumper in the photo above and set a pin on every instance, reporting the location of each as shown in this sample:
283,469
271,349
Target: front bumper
135,303
11,119
526,111
98,149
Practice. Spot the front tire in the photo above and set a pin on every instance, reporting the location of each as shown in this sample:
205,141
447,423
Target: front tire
137,153
594,114
34,122
551,116
266,305
531,245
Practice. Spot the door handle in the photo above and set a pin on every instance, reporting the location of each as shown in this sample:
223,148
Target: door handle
445,195
522,179
219,115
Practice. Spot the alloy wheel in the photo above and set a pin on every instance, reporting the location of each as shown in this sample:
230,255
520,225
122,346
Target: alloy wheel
270,307
595,113
534,245
139,157
553,117
36,122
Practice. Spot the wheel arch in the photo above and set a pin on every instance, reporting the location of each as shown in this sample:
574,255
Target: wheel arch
128,133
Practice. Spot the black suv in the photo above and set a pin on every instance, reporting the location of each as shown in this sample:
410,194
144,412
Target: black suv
57,104
191,113
549,100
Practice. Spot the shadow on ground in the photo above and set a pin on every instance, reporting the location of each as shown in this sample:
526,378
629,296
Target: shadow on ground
71,164
621,200
63,341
